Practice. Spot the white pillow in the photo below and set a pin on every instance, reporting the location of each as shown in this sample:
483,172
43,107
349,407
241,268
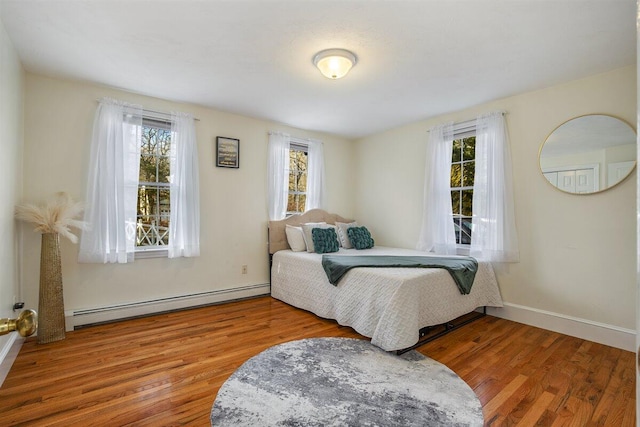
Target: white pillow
295,238
306,233
343,236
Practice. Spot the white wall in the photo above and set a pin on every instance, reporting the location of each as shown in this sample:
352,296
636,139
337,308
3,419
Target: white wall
11,139
578,253
58,122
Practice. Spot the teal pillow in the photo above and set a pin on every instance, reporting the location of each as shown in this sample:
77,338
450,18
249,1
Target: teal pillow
325,240
360,237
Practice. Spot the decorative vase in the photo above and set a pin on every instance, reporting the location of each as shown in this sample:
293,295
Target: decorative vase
51,325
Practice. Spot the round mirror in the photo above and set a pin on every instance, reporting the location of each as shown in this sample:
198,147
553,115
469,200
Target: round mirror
589,154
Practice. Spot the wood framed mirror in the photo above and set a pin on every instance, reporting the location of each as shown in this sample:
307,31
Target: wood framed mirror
588,154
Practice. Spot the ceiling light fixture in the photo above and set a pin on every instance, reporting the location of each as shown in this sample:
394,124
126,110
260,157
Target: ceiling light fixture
334,63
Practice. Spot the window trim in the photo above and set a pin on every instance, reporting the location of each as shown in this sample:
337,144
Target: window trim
156,251
463,130
296,144
152,252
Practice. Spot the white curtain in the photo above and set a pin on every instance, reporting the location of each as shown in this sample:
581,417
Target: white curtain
184,228
494,235
437,233
315,176
278,175
112,187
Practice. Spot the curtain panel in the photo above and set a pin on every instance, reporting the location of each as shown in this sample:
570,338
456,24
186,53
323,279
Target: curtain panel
315,176
278,175
112,185
184,228
437,233
494,236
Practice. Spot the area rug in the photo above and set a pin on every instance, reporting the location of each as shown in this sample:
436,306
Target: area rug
343,382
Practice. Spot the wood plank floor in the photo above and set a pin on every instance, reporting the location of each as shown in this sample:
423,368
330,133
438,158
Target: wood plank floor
166,369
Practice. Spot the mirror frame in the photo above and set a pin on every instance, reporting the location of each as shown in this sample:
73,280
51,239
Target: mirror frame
601,189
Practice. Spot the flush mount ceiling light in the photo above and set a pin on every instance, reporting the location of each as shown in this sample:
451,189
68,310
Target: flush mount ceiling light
334,63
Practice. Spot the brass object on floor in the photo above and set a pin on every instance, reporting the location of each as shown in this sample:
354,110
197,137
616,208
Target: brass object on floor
26,324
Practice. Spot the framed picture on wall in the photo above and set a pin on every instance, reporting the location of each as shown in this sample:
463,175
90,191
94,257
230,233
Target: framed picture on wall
227,152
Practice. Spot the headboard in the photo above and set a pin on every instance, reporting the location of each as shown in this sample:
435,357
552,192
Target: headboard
277,234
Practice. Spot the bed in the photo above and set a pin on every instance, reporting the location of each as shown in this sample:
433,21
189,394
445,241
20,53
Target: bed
389,305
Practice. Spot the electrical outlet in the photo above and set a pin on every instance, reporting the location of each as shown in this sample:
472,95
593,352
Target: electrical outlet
244,269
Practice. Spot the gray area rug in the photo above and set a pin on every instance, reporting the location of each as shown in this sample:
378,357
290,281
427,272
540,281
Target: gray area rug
343,382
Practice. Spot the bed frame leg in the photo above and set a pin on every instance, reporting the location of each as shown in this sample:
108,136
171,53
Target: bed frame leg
448,327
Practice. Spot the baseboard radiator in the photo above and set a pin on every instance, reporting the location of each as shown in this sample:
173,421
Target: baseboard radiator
79,318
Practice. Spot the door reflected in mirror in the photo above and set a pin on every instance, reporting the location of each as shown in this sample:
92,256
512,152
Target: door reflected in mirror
589,154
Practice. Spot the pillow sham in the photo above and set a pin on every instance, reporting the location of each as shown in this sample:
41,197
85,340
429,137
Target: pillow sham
295,238
343,237
325,240
360,237
306,233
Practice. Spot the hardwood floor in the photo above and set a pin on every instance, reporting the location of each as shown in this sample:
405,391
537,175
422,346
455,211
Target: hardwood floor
166,369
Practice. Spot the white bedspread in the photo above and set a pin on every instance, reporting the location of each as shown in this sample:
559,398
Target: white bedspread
389,305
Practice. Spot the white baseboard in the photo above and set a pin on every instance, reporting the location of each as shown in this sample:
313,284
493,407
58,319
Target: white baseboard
75,318
11,345
602,333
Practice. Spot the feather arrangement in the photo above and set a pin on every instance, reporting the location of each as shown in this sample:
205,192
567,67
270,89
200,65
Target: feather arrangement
57,216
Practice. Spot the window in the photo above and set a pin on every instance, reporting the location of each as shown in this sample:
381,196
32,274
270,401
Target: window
295,175
130,201
297,198
154,201
468,203
463,165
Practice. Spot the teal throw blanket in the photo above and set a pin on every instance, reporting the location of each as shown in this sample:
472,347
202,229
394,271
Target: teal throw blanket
462,269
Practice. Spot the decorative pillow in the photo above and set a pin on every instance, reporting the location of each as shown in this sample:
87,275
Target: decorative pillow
325,240
343,237
360,237
306,233
295,238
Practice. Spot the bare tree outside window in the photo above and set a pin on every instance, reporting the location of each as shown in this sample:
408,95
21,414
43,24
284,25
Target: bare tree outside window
297,180
154,201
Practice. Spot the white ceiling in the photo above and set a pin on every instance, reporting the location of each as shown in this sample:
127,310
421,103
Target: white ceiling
416,59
